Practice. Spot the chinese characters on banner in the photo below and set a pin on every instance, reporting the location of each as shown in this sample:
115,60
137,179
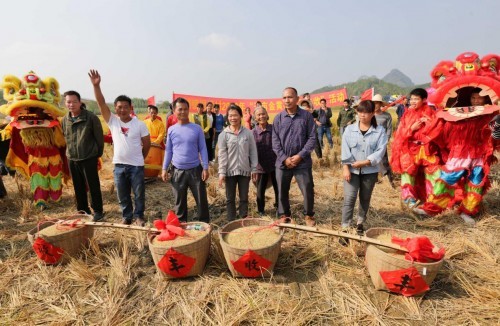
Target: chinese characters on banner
273,105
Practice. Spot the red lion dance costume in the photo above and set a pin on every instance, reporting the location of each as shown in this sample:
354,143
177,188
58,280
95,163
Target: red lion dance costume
37,147
461,133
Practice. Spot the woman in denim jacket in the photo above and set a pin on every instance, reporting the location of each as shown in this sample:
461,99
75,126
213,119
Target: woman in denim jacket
363,147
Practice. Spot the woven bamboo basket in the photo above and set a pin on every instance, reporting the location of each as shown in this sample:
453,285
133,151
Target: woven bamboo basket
198,250
378,260
72,241
232,254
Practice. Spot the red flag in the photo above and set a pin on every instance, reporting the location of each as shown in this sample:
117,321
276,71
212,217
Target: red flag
151,101
47,252
251,264
407,282
176,264
367,95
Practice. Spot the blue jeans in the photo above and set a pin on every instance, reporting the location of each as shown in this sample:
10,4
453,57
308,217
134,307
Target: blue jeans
322,130
130,178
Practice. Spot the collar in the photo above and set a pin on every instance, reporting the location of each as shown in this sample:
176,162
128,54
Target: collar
260,130
296,113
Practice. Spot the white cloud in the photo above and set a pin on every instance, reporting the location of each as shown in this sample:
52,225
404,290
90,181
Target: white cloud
219,41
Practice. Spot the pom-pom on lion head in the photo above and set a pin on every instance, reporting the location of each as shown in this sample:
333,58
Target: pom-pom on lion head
31,101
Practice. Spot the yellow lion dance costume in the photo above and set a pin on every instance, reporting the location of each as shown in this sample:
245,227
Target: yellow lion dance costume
37,147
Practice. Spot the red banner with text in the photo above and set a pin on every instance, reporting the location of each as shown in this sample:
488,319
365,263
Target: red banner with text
273,105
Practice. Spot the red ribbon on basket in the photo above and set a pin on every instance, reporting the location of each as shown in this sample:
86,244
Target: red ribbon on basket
251,264
420,249
170,228
46,251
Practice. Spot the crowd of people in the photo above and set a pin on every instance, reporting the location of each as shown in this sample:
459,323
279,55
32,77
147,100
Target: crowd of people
248,149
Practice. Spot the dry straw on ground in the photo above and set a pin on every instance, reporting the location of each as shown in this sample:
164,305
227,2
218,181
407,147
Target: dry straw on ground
316,281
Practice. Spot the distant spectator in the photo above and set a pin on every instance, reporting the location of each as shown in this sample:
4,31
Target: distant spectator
211,131
347,115
248,119
317,149
324,123
218,125
400,110
384,119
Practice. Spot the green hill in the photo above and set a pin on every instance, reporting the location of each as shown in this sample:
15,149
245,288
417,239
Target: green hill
381,87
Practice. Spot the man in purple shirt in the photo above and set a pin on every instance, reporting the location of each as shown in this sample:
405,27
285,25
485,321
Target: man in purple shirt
185,144
294,138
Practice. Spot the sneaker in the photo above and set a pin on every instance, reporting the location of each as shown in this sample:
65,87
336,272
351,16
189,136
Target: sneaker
98,216
419,211
360,230
140,221
126,221
310,221
468,219
287,219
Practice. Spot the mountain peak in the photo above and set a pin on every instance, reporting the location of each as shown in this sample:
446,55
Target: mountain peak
398,78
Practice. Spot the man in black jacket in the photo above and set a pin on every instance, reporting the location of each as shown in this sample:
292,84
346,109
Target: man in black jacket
324,125
84,145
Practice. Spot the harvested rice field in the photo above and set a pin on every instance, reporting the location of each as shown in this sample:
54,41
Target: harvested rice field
316,281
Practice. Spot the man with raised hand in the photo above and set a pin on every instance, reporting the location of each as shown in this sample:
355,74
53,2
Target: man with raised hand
131,145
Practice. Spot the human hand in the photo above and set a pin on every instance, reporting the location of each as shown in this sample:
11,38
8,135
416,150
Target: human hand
255,177
95,78
346,174
222,178
165,175
204,175
359,164
296,159
417,124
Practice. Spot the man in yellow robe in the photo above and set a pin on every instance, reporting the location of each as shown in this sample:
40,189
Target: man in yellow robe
154,161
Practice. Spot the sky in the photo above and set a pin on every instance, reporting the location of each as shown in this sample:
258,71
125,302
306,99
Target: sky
237,49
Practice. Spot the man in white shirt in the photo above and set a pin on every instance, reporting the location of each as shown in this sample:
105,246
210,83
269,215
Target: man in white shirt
131,145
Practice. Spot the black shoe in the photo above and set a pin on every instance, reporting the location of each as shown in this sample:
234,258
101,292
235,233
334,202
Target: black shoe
126,221
360,230
98,216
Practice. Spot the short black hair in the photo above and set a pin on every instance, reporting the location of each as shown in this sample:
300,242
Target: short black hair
73,93
258,103
322,100
420,92
216,106
154,107
235,108
209,103
368,106
347,101
199,105
293,89
123,98
180,100
305,94
305,102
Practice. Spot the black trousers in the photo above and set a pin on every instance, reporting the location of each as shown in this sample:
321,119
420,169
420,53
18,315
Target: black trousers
305,182
261,189
85,177
181,181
